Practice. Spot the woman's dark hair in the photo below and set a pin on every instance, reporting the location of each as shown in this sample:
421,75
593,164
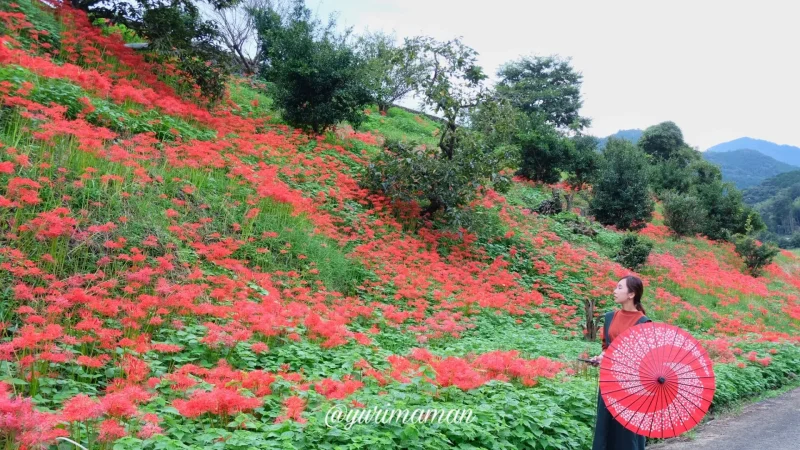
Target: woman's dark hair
636,286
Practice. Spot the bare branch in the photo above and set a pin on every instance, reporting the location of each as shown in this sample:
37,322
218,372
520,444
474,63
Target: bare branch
238,32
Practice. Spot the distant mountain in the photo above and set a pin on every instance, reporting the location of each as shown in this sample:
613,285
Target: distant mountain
784,153
771,187
776,200
631,135
745,167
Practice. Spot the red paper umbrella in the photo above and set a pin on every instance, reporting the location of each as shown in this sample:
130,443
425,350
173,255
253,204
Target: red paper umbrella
656,380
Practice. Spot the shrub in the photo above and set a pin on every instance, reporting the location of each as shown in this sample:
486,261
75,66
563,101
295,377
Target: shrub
683,214
728,215
408,171
319,80
544,152
755,254
622,197
210,78
634,251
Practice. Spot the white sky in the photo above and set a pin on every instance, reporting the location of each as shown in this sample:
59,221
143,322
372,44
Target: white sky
719,69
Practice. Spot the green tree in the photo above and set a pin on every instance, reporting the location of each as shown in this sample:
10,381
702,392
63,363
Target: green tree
448,176
677,173
392,71
621,194
543,150
319,80
497,120
497,123
756,256
452,86
662,141
633,251
547,87
683,214
727,214
704,172
409,171
583,164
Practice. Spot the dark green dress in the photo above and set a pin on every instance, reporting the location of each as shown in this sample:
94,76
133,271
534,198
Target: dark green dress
608,433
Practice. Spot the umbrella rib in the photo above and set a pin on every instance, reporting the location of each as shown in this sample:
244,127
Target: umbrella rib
693,385
646,367
620,363
625,373
672,346
624,364
689,413
669,412
626,408
689,351
639,427
651,363
690,369
661,394
678,391
625,389
696,344
629,395
623,398
658,360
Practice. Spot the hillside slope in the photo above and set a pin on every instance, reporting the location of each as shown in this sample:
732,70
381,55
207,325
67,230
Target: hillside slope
747,168
771,187
784,153
180,277
632,135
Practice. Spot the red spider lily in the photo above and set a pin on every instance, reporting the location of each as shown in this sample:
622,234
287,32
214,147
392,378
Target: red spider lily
334,389
456,372
81,408
135,294
24,190
28,426
294,408
51,224
220,401
110,430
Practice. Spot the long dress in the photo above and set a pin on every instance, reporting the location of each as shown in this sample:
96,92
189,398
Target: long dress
608,433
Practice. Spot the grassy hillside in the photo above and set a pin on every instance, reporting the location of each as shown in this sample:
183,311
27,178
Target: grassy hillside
179,277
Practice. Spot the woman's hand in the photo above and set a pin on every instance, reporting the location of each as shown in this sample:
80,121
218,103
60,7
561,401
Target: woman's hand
597,359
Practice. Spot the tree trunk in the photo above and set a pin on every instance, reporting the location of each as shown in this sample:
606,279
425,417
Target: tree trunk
246,64
591,328
431,209
570,197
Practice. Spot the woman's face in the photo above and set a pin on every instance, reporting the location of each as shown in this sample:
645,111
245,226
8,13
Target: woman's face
621,293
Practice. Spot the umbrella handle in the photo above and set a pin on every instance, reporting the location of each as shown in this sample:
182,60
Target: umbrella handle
589,361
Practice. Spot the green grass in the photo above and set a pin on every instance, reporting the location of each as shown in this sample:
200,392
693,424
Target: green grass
402,125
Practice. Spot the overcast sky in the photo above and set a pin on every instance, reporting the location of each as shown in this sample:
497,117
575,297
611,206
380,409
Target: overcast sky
719,69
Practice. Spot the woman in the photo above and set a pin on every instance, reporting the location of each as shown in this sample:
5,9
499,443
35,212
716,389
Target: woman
608,433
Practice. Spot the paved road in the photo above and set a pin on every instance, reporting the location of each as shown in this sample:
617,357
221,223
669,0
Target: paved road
772,424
